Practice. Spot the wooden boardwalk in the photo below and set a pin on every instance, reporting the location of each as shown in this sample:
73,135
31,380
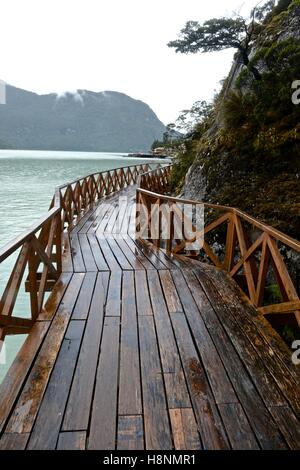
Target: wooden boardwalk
139,350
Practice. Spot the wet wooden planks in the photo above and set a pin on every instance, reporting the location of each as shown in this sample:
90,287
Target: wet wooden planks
105,240
139,350
146,356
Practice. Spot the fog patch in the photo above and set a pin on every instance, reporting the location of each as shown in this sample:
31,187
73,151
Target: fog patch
77,95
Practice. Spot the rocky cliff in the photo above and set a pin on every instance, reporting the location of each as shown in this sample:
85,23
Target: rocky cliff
247,154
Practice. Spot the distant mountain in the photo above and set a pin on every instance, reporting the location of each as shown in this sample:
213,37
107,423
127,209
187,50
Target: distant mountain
85,121
4,145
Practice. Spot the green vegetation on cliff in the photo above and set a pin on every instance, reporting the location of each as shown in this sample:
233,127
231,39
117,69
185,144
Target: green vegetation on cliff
247,152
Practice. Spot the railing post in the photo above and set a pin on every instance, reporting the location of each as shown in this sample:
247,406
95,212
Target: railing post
230,245
170,231
262,275
137,214
33,285
58,243
158,230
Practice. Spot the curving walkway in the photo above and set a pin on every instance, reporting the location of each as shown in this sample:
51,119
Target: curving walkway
136,349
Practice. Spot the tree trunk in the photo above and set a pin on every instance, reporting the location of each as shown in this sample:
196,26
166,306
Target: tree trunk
246,61
255,72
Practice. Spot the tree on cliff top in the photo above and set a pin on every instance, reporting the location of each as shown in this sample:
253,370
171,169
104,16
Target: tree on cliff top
218,34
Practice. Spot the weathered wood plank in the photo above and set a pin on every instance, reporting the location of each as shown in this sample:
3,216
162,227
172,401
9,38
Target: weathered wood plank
176,389
112,218
264,381
72,440
122,260
14,380
262,423
184,429
158,302
142,294
148,252
164,259
289,425
83,302
97,253
25,411
84,219
138,253
132,222
172,262
104,409
171,295
47,425
211,430
122,209
265,338
108,254
92,217
113,304
156,422
96,218
237,426
167,346
80,398
130,433
77,258
67,262
286,381
105,218
87,254
88,222
220,383
133,260
54,299
130,402
126,220
15,441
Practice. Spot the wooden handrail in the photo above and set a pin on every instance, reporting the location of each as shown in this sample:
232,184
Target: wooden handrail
286,239
248,261
12,246
41,246
62,186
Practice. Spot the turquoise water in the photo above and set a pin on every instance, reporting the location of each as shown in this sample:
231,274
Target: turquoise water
27,183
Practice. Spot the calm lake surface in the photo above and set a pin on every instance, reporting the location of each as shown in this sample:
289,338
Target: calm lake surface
27,183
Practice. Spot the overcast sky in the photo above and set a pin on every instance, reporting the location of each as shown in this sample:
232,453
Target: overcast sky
58,45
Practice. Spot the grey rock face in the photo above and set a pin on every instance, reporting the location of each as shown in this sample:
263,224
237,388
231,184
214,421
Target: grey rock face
195,183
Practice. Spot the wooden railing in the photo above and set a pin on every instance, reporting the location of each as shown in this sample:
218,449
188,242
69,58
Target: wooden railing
34,247
253,253
246,248
77,197
39,251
